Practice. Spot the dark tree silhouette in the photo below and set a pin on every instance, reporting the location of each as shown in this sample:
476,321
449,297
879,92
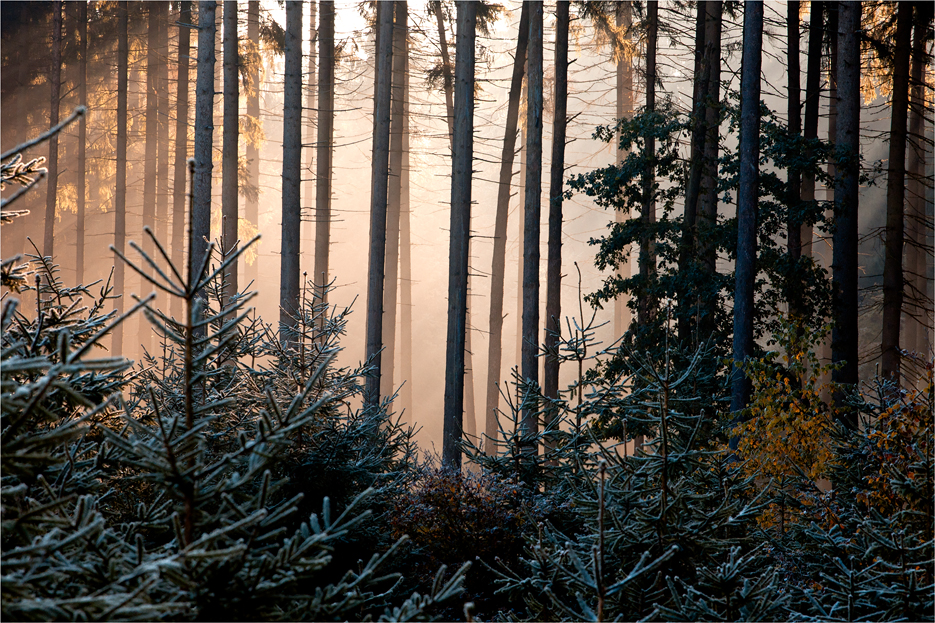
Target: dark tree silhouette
120,192
181,143
289,283
230,148
55,84
204,138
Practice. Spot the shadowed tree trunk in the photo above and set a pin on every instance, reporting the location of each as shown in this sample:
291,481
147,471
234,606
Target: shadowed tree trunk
231,146
553,282
647,263
252,203
794,180
707,214
812,101
624,18
291,172
844,336
747,199
181,145
308,201
405,260
394,200
828,247
916,255
448,79
149,167
378,197
498,266
55,82
82,139
120,192
530,347
162,126
325,143
895,197
204,138
462,160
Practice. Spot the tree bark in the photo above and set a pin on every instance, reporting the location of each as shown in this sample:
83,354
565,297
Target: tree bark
895,198
252,203
149,166
230,152
448,79
812,101
308,224
181,145
289,306
394,199
378,198
462,160
553,282
405,261
747,200
204,139
530,348
794,179
55,82
325,144
498,265
120,192
844,267
82,139
162,126
624,86
647,262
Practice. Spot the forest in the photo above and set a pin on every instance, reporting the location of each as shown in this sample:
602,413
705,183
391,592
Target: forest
467,310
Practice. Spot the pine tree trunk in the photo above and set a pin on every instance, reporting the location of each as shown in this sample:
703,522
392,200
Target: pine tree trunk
647,263
179,183
120,192
325,143
204,140
895,197
624,87
794,180
707,217
916,290
553,282
498,266
149,167
252,203
747,200
308,201
291,173
828,248
462,161
530,347
230,151
391,269
55,83
844,267
448,78
812,101
378,199
162,126
82,139
405,261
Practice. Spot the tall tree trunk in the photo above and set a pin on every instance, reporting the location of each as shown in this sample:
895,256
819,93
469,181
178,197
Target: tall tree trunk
308,201
230,214
162,126
498,265
149,168
291,173
82,139
181,145
895,196
624,86
707,217
828,247
794,181
378,198
844,336
405,260
553,281
530,348
394,199
916,297
812,101
204,139
647,305
55,82
462,160
325,143
448,78
688,253
120,192
747,200
252,203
